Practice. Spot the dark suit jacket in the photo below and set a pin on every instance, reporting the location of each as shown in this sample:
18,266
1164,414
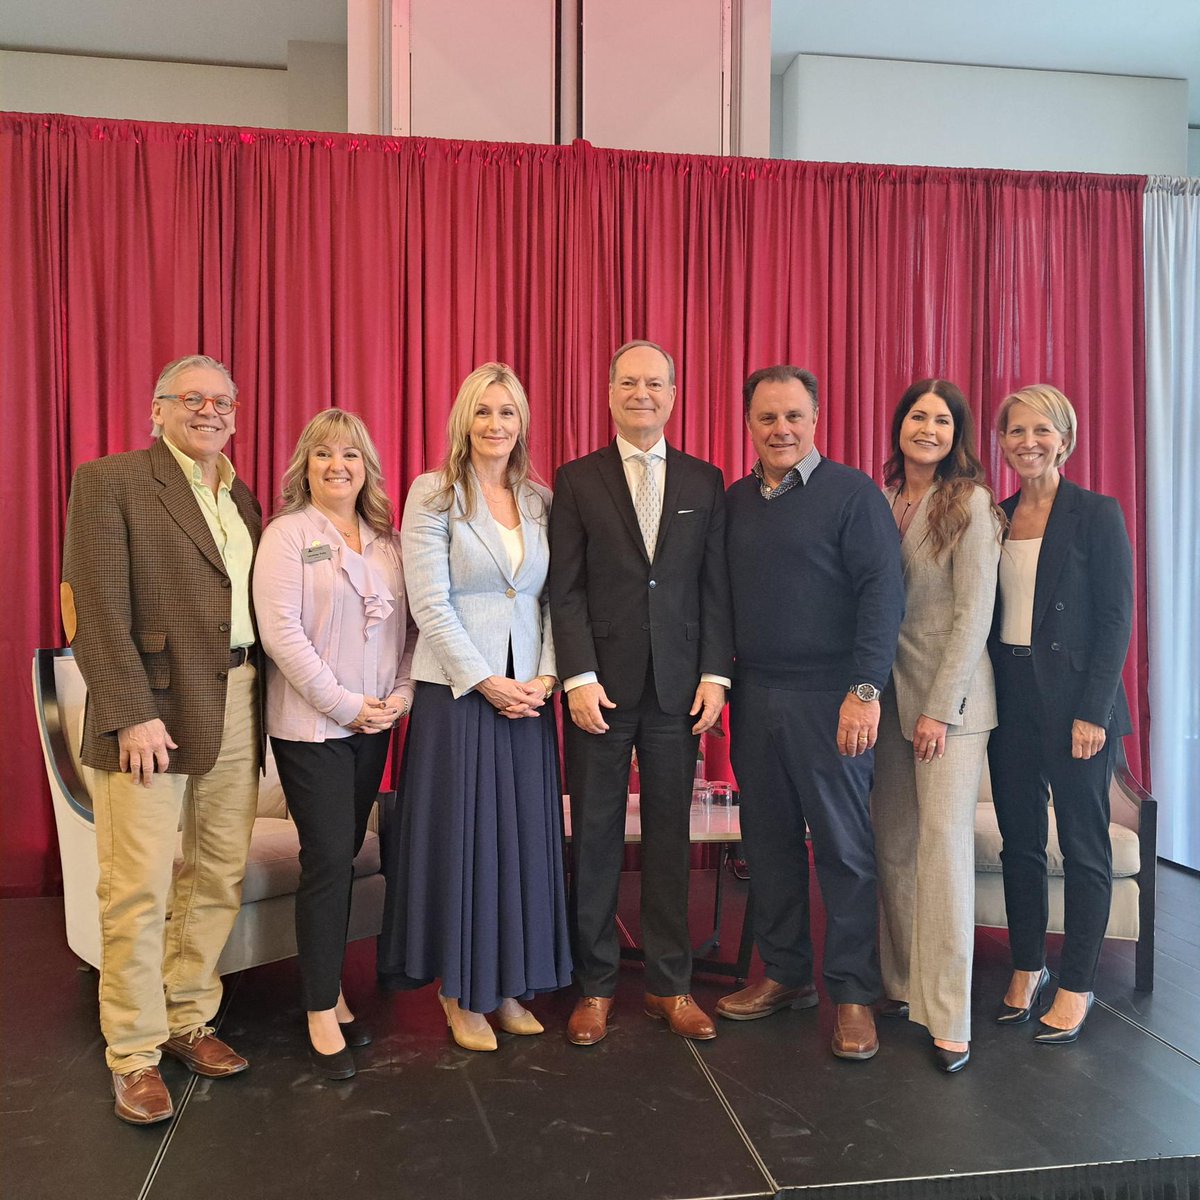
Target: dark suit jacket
152,601
1082,609
611,608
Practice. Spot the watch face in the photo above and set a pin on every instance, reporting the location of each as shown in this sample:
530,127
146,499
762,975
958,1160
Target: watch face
867,692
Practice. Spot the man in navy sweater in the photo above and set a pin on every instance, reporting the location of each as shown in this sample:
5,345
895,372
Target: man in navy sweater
818,595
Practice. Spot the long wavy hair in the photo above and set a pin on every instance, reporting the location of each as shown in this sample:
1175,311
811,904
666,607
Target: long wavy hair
456,468
957,475
338,425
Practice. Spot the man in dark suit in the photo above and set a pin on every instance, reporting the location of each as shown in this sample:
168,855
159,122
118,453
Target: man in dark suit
156,605
639,602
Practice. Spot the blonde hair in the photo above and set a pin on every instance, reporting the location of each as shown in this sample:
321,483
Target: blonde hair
1047,401
456,468
336,424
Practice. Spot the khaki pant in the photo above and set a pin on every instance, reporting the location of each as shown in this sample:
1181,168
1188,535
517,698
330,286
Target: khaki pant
153,987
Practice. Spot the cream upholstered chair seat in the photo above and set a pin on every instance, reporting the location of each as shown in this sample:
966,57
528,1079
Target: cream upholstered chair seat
265,929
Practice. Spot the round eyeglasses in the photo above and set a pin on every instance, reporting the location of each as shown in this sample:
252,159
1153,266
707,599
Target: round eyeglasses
195,401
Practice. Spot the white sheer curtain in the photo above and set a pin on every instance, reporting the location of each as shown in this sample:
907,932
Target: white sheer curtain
1172,243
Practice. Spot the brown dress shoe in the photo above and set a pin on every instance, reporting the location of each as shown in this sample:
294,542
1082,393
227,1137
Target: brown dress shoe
589,1020
142,1097
682,1014
204,1053
854,1032
763,998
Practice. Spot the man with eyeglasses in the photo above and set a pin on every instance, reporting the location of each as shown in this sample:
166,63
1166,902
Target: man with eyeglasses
156,605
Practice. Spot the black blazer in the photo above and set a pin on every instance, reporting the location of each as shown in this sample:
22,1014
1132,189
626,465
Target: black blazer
1082,610
611,608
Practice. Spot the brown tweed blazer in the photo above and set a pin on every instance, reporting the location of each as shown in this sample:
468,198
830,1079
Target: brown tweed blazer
152,603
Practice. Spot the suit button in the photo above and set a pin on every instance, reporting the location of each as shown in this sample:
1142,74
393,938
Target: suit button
653,583
224,627
224,582
1059,606
646,626
1055,646
510,592
222,674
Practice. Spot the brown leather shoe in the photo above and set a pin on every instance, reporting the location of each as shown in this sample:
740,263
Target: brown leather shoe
204,1053
854,1032
589,1020
682,1014
763,998
142,1097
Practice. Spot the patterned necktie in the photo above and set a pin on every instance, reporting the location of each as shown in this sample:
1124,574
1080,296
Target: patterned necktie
646,502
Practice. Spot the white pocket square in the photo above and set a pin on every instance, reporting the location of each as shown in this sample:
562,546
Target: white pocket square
684,511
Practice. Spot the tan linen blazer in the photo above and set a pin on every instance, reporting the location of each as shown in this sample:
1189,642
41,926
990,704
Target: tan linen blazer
150,601
942,667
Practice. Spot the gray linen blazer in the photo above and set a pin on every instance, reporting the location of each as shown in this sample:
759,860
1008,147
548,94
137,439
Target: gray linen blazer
152,601
942,667
467,602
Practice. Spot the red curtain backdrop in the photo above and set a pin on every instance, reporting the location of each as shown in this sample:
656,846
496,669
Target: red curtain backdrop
375,273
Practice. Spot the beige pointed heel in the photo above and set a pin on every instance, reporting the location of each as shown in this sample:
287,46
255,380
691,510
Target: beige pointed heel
522,1021
464,1031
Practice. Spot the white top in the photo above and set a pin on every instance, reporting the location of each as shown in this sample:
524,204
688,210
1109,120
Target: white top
1018,575
514,545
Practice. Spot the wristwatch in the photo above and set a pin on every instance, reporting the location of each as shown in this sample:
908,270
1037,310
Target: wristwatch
868,693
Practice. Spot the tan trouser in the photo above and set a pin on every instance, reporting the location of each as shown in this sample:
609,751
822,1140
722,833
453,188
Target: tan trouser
151,988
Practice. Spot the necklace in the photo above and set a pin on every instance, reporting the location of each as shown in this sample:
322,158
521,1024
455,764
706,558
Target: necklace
904,518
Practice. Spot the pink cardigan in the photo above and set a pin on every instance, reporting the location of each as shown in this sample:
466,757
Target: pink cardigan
333,623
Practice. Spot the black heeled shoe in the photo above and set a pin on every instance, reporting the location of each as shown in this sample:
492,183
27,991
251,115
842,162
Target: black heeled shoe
338,1065
1049,1036
355,1032
951,1060
1007,1015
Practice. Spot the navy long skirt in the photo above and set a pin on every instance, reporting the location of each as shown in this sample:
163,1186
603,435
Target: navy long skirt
475,887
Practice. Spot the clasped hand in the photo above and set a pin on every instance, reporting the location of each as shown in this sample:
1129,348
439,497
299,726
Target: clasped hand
511,698
375,716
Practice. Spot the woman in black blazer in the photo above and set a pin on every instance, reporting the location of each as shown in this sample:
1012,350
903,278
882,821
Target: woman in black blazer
1059,639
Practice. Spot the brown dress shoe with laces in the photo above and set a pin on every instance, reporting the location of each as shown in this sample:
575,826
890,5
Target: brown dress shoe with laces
682,1014
854,1032
142,1097
589,1020
763,998
204,1053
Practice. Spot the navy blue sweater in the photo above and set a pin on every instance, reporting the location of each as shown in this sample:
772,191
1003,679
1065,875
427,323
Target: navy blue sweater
818,591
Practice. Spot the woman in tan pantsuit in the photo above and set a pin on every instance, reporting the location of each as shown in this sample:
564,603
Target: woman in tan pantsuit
937,712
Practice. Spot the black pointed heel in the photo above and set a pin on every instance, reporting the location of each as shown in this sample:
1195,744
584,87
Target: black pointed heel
338,1065
1007,1015
951,1060
1049,1036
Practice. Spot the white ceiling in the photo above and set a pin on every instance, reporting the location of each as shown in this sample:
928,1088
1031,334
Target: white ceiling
1153,37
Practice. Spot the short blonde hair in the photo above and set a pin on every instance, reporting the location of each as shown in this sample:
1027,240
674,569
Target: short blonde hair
336,424
1047,401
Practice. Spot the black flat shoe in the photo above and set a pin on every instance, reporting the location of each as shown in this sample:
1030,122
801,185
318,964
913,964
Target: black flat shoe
892,1008
355,1032
951,1060
1007,1015
338,1065
1049,1036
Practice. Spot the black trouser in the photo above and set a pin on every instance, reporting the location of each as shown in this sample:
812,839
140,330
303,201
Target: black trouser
598,781
1030,755
330,787
784,753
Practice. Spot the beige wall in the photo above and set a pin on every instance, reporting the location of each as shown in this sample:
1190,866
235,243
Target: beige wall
309,94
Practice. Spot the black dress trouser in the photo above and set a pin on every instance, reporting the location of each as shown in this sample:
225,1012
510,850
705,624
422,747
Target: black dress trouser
1030,755
330,787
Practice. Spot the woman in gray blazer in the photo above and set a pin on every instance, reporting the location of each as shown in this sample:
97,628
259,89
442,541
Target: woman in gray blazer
476,895
937,712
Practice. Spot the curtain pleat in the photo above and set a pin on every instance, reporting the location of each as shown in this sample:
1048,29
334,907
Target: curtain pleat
1172,233
374,273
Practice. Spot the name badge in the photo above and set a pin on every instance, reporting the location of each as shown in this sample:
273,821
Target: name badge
316,553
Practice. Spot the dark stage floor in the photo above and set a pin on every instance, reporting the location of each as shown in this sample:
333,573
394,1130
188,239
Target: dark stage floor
763,1110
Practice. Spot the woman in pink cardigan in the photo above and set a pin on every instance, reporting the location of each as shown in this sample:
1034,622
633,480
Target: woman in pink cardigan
329,598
